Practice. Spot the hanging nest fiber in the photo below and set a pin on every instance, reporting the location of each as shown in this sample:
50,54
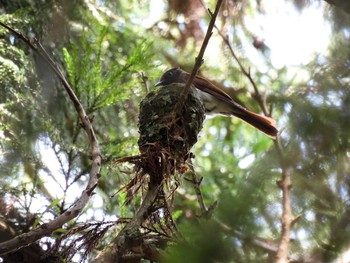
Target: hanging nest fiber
166,138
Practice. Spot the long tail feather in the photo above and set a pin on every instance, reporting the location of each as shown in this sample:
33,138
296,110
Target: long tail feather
265,124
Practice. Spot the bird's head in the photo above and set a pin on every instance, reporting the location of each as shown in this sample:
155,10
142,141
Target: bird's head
171,76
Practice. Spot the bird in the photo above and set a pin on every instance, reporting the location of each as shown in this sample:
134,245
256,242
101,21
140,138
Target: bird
216,101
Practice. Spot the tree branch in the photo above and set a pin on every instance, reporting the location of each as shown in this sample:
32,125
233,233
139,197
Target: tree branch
246,72
116,250
287,218
199,58
344,5
47,228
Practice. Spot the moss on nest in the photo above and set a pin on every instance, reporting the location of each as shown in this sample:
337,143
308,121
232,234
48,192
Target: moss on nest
161,129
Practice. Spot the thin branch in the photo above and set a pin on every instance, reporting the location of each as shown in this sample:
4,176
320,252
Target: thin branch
287,219
47,228
199,58
144,79
196,185
246,72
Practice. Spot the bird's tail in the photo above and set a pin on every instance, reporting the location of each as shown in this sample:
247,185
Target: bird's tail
265,124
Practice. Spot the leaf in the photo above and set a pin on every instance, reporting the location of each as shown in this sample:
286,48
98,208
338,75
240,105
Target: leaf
70,66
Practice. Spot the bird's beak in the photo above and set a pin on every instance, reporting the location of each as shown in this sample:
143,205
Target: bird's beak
159,83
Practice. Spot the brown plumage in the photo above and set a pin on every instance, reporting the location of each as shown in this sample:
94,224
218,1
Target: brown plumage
216,101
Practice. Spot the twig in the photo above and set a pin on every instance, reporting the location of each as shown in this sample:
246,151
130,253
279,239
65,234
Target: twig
247,73
144,79
196,185
47,228
199,58
244,71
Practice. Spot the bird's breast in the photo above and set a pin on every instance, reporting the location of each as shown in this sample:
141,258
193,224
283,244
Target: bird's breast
208,101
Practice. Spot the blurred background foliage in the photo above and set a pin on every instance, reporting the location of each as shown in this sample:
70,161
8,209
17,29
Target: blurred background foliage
112,54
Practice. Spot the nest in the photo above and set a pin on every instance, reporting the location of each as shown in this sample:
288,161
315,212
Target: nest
166,137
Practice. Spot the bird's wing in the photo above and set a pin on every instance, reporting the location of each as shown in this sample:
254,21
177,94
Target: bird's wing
208,87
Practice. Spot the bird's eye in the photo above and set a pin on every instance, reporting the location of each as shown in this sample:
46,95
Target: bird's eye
170,73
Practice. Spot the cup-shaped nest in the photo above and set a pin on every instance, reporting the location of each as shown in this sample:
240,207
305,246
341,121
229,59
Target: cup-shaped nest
162,128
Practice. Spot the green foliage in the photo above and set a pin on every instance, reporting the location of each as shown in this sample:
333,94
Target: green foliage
205,244
103,49
104,74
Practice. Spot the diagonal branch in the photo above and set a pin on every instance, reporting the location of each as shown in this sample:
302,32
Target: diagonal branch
246,72
115,251
47,228
199,58
196,185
